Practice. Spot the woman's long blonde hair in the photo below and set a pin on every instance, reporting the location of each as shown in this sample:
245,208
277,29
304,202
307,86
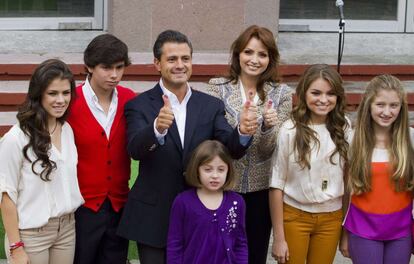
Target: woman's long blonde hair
400,150
335,121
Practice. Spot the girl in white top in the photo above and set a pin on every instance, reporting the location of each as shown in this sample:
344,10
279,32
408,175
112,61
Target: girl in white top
307,178
38,180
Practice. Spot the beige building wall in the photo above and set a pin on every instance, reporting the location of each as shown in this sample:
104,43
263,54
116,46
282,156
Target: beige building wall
211,25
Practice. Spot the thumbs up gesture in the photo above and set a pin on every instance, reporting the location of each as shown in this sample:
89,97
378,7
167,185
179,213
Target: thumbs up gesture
248,118
165,116
269,115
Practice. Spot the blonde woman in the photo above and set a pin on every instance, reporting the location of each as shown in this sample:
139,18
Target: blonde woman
381,167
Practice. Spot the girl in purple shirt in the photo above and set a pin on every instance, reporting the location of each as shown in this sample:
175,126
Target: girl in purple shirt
207,223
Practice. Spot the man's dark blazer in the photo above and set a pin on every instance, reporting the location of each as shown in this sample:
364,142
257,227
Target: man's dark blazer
146,214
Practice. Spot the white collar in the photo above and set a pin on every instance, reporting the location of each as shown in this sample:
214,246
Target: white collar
90,94
173,98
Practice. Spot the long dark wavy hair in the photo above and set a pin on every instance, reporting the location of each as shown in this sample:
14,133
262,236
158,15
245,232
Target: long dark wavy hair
33,118
335,121
271,74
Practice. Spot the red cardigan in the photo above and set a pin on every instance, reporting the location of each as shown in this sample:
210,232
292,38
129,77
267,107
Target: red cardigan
103,165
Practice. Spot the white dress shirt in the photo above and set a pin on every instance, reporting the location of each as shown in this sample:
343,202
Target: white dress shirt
37,200
179,110
105,120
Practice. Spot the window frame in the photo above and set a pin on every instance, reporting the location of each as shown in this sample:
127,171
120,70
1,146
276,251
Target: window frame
331,25
409,27
97,22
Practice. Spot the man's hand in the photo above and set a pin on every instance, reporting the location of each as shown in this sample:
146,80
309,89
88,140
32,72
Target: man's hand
165,117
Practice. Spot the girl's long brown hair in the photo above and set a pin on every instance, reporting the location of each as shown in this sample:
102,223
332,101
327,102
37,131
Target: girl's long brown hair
335,121
33,118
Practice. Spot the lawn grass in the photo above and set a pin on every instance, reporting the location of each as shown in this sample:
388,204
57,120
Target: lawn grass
132,251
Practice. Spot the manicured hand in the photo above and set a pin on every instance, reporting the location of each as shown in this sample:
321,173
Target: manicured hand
269,115
280,251
165,117
248,119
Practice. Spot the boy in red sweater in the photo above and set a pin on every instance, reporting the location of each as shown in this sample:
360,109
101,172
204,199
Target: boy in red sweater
99,127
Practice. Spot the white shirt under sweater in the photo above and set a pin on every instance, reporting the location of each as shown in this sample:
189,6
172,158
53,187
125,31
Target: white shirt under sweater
105,120
37,200
315,190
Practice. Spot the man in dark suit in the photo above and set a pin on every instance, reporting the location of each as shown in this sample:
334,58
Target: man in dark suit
164,125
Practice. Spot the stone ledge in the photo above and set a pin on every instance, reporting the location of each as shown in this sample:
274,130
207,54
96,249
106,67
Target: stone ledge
295,48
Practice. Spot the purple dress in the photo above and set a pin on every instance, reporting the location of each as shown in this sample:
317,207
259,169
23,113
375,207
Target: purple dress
200,235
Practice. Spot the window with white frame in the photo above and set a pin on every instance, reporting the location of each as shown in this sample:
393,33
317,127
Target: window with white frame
360,15
51,14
